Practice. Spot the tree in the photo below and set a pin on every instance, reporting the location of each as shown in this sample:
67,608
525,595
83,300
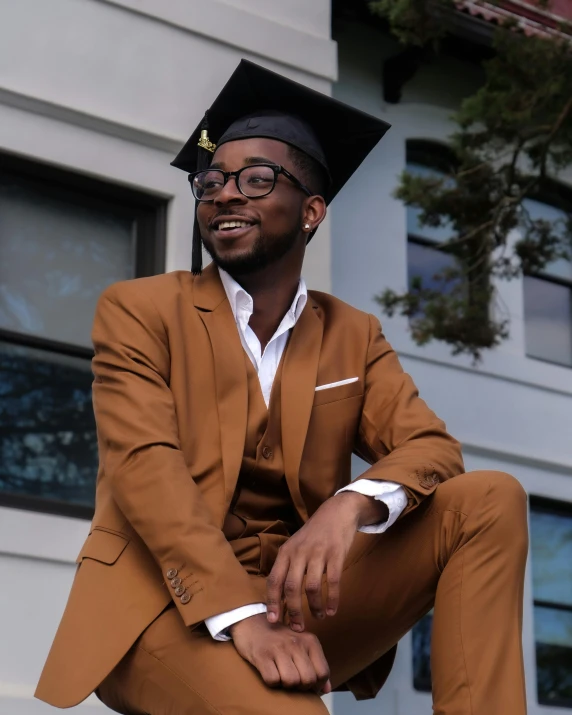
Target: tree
513,136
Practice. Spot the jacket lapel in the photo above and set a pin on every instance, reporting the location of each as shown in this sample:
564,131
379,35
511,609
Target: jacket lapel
230,373
297,395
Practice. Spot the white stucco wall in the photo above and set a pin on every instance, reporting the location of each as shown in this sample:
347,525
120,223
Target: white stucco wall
512,412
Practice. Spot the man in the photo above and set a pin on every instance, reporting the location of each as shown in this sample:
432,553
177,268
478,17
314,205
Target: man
231,566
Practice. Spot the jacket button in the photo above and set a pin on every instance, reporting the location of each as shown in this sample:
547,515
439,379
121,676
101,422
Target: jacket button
429,481
179,591
171,573
176,582
185,598
266,452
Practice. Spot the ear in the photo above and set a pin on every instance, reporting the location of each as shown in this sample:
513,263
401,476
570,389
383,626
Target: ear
313,213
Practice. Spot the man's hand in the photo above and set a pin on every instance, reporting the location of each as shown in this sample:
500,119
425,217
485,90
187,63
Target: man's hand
283,658
319,547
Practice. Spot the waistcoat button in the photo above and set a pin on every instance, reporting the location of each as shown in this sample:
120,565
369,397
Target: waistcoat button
266,452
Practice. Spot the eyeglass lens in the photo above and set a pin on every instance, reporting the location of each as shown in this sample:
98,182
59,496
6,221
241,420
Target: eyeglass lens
252,181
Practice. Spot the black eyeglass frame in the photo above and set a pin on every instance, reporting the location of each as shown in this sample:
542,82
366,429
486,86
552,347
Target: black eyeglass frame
276,168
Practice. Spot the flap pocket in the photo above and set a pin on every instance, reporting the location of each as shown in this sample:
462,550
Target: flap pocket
104,546
340,392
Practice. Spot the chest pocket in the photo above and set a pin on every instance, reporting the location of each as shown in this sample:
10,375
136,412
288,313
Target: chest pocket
339,392
104,546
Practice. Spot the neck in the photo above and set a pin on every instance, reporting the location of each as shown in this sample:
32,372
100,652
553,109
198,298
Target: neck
272,290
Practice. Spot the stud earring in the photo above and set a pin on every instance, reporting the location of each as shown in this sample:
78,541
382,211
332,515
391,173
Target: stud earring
306,226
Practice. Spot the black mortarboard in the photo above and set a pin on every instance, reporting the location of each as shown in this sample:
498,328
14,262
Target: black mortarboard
256,102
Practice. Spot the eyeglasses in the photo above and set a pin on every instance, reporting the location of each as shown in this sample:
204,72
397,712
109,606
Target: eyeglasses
252,181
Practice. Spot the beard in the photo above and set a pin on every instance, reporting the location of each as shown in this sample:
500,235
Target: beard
264,251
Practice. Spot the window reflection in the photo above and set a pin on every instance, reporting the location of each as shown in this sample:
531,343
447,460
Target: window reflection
551,538
429,263
553,635
548,315
551,545
56,257
548,295
421,644
48,446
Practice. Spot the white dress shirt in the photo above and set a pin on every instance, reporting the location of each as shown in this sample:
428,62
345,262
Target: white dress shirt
266,365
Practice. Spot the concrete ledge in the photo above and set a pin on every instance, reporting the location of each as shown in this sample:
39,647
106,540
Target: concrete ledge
18,699
98,124
41,536
244,30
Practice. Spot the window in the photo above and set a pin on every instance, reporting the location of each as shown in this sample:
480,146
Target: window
551,543
421,645
63,239
426,260
548,298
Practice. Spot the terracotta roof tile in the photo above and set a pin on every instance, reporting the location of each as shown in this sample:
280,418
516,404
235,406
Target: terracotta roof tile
530,18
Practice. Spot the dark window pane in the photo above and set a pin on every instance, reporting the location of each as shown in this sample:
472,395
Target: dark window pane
553,631
548,320
551,539
48,446
56,257
538,210
438,234
421,638
426,262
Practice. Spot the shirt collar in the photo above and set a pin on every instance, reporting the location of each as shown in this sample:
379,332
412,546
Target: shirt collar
242,305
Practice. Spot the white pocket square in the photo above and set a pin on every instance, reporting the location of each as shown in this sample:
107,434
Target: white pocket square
337,384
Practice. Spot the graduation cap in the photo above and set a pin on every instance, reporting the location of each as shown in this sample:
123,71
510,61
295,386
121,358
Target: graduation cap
256,102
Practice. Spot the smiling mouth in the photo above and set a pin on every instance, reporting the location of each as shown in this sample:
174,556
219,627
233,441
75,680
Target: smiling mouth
227,225
232,228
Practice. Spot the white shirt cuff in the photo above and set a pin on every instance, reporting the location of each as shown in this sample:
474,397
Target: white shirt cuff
218,625
391,494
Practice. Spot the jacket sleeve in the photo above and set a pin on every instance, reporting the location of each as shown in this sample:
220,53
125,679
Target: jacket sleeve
141,456
403,440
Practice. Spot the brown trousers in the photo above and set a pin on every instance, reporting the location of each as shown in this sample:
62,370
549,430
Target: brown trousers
462,551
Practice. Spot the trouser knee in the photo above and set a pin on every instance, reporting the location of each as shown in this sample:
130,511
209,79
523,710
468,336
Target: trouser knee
505,507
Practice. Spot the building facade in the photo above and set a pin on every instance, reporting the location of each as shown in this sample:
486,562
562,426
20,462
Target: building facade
96,97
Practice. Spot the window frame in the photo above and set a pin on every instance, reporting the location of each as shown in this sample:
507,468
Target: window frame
559,508
149,213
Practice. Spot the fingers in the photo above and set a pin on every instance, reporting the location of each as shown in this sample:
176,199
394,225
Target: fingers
319,664
333,577
307,672
283,659
293,594
314,587
269,673
289,674
302,665
275,587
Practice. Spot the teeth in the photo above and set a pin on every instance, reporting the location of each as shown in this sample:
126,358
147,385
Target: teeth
232,224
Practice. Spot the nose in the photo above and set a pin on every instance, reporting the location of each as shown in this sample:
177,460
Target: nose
230,193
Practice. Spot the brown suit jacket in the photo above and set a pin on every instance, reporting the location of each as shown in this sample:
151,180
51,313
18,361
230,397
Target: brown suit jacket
170,399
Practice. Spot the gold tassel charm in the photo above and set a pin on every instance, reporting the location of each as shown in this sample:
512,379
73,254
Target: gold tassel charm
205,142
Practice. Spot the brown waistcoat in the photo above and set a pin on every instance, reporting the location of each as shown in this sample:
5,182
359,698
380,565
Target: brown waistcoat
262,514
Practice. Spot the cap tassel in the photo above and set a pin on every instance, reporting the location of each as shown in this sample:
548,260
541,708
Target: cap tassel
204,156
